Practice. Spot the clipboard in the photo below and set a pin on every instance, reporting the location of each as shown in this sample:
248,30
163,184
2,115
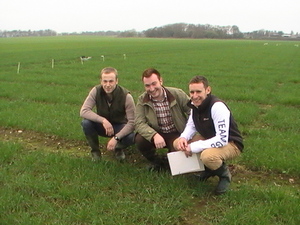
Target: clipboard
180,164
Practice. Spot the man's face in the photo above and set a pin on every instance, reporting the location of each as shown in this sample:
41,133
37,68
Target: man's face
198,93
109,82
153,86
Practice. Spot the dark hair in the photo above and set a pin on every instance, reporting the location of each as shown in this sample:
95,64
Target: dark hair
199,79
148,72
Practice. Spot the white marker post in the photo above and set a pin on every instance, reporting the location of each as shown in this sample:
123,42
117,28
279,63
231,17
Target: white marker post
52,63
19,65
102,56
124,56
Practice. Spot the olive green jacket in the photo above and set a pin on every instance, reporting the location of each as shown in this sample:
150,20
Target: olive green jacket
146,123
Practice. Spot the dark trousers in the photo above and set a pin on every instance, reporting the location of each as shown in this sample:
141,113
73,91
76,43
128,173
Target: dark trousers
92,130
148,149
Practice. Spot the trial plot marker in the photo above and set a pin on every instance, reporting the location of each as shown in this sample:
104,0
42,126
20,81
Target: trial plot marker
19,65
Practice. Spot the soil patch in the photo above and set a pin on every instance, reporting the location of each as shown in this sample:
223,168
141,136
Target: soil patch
33,140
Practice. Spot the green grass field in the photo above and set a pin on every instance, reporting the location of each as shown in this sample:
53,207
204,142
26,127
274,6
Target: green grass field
259,82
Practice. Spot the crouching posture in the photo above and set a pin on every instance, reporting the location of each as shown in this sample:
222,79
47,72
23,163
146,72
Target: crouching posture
114,117
161,115
219,138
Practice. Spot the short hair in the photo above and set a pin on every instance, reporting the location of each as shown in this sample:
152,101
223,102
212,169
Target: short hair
107,70
148,72
199,79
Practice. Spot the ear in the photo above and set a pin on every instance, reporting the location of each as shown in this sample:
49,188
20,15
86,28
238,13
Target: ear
208,90
161,81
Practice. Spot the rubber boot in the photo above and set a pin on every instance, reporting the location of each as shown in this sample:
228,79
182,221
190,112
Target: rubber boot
93,142
204,175
158,164
224,179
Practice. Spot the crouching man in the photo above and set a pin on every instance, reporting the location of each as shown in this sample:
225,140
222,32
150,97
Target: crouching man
114,116
219,138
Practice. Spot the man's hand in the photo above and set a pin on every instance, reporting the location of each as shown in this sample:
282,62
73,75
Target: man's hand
109,130
188,151
159,141
181,144
111,145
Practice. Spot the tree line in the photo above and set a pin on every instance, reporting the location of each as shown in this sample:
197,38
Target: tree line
177,30
182,30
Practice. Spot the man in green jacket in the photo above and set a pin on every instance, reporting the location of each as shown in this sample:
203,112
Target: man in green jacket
160,116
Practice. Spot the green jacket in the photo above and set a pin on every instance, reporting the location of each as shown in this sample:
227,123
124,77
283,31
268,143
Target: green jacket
146,123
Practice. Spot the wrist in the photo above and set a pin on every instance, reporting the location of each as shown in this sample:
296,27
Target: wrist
116,138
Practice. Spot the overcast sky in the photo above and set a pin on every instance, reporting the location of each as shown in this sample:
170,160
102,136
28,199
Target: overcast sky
121,15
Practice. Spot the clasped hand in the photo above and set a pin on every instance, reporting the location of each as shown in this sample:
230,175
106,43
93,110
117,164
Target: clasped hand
159,141
182,145
109,130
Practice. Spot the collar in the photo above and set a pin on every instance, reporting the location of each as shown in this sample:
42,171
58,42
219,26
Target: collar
164,98
170,97
203,105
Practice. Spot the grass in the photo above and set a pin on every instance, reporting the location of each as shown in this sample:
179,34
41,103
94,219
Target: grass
94,194
45,188
259,83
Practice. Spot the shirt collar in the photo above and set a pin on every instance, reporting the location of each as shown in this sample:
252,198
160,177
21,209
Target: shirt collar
165,97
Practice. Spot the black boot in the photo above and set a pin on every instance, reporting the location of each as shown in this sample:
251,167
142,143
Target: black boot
204,175
224,179
158,163
93,142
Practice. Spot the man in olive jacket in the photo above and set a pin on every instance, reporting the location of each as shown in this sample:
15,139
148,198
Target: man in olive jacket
160,116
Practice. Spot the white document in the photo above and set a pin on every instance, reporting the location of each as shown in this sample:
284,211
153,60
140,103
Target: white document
181,164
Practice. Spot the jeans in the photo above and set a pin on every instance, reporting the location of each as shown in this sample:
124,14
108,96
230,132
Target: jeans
93,130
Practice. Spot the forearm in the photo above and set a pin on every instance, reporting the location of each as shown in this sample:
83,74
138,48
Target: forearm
214,142
189,129
130,112
90,115
86,110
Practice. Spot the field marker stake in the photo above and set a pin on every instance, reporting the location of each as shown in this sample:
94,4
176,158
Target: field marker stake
19,65
102,56
52,63
124,55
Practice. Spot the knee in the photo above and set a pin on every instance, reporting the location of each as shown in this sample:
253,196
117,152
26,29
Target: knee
89,127
86,124
175,144
129,139
138,139
211,161
142,144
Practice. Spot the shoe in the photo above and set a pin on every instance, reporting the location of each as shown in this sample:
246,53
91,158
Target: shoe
96,156
120,155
